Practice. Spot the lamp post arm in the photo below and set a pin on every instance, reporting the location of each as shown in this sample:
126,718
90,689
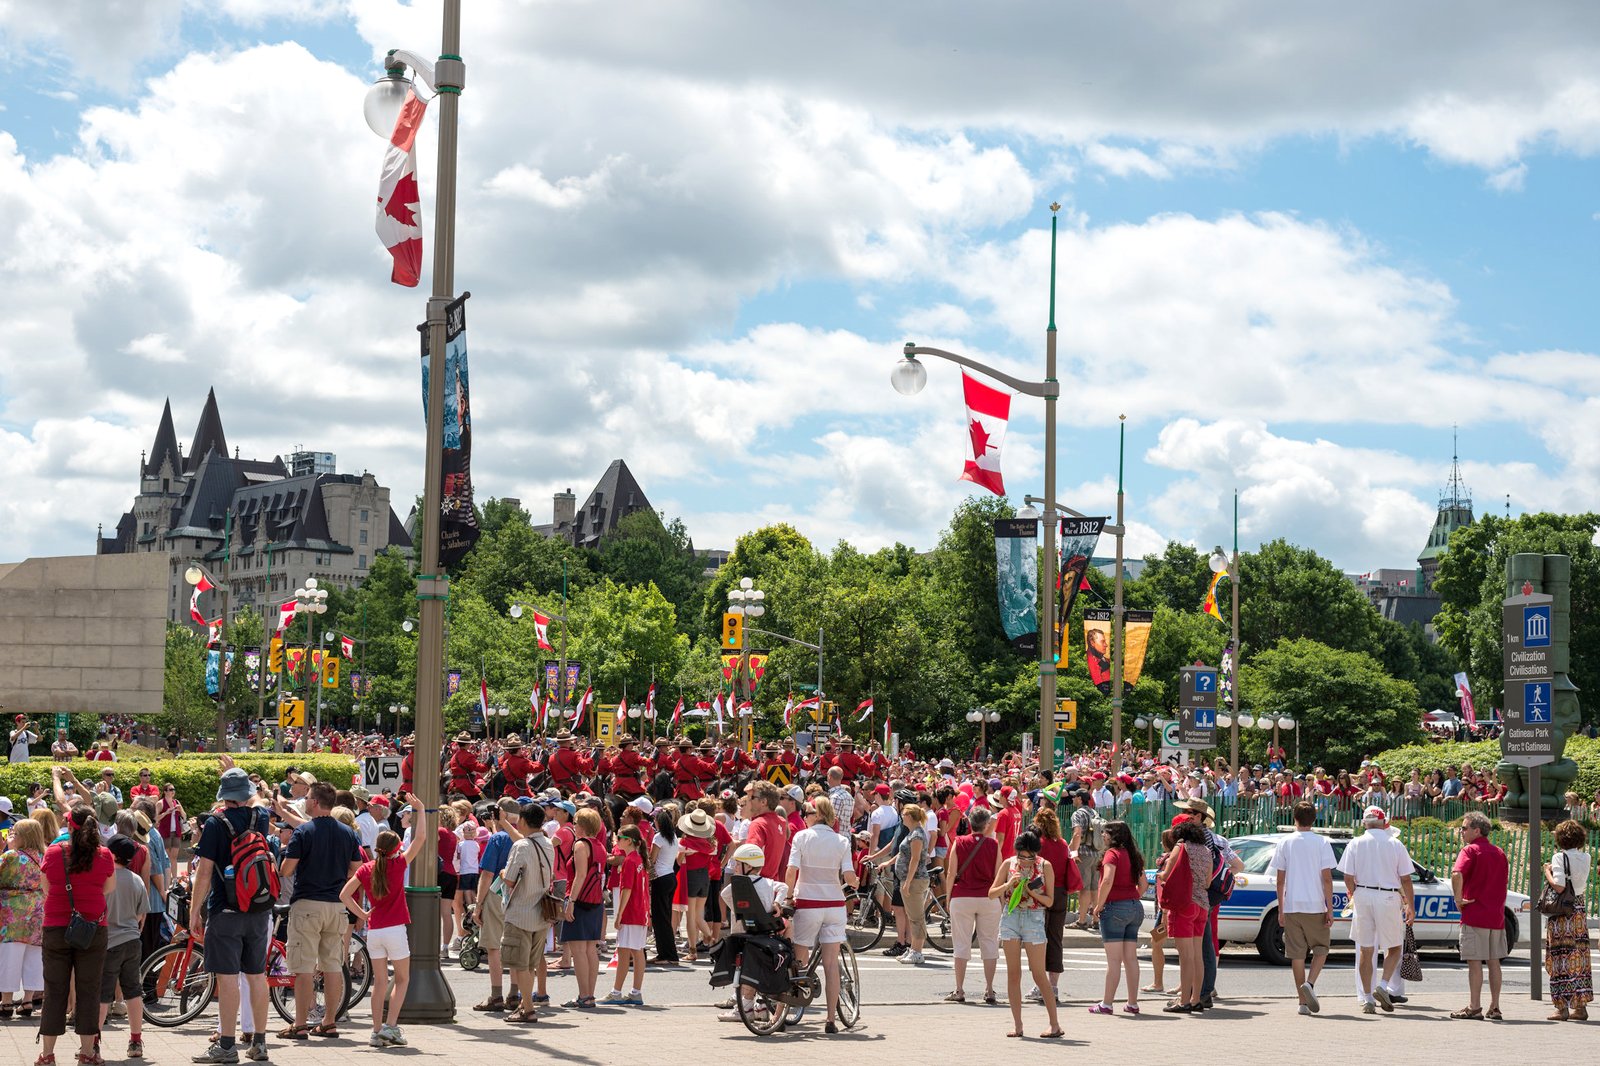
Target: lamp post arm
780,636
1116,530
1031,388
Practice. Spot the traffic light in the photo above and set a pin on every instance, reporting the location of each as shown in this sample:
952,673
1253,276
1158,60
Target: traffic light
732,630
275,656
330,672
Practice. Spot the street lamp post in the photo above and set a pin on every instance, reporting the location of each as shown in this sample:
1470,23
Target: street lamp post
1219,564
908,378
983,717
749,603
428,998
312,602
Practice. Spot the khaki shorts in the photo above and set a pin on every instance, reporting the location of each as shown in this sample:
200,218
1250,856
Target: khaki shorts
492,924
316,936
518,947
1482,945
1305,934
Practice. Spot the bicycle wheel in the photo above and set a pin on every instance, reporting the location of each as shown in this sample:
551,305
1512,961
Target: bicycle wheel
937,921
357,973
849,987
865,924
761,1015
357,980
176,986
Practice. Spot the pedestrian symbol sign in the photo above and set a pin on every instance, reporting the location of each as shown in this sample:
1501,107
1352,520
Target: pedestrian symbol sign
1536,703
1536,626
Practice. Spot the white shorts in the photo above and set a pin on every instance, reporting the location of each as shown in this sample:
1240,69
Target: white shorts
1378,922
390,943
630,938
817,925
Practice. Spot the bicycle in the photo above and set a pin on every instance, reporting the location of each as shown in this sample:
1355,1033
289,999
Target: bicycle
468,954
177,988
867,911
766,1014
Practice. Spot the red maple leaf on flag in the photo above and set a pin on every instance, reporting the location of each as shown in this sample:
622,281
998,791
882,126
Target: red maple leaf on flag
403,202
980,438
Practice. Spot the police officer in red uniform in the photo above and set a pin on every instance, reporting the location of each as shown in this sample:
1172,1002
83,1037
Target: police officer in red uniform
853,765
690,771
877,763
772,755
666,758
516,767
789,757
627,768
733,759
464,767
568,767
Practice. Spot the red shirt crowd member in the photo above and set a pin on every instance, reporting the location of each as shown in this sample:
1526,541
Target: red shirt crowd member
627,768
516,767
769,830
666,758
464,767
733,759
408,767
568,767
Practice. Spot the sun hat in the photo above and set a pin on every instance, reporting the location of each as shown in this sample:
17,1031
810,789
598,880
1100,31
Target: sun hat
105,808
697,823
361,793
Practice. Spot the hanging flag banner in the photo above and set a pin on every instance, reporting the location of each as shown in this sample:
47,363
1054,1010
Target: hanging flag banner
347,647
1135,642
294,661
252,667
1225,677
458,522
213,661
988,411
1078,538
452,682
1464,693
574,671
758,667
1097,647
1210,604
1016,561
399,221
552,680
730,663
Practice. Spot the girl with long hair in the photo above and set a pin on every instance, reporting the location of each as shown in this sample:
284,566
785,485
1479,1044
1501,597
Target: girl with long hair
1025,886
79,874
382,881
1053,849
1120,914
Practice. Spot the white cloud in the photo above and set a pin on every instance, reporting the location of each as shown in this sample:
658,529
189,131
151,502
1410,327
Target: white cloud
1510,179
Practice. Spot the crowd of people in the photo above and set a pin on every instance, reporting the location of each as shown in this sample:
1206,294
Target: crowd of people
556,854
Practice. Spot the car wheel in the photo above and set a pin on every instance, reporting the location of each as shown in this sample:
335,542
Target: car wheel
1269,942
1512,930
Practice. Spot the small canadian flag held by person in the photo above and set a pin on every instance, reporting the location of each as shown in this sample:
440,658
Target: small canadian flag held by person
988,411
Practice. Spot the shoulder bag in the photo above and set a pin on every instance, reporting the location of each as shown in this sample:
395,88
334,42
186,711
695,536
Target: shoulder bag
551,906
1559,902
80,930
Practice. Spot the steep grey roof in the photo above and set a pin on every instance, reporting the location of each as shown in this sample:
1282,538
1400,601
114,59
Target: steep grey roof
614,497
399,536
203,508
208,435
165,446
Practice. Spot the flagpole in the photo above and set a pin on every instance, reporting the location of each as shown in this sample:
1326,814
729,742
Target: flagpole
1047,636
1118,632
1238,652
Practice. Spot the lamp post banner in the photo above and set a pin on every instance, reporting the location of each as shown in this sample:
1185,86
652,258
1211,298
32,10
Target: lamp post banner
213,661
1097,624
1017,581
1078,539
1135,642
458,523
452,682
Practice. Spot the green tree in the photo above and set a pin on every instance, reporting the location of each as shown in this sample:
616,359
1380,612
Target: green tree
516,557
643,549
1177,578
1287,592
1471,584
625,635
497,513
1345,706
185,707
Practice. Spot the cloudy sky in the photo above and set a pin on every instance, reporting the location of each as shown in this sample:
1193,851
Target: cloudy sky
1298,244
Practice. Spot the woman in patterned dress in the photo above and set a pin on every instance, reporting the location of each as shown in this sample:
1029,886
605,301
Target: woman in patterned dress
1566,943
22,919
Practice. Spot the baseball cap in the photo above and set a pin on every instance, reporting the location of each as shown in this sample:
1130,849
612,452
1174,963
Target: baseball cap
642,803
1375,814
379,800
105,808
568,806
5,804
795,792
882,790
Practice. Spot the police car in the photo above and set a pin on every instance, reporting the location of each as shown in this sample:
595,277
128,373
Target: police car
1250,915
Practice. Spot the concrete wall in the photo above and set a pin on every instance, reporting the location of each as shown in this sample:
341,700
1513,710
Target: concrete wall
83,634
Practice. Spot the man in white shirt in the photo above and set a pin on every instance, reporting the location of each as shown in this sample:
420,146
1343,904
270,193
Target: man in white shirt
366,824
1304,865
21,737
1377,875
883,820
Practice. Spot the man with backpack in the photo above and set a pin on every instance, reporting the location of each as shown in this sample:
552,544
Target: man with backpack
322,855
235,913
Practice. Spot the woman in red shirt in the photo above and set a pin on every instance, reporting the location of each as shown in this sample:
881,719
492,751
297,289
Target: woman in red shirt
383,881
78,874
698,834
967,878
1120,914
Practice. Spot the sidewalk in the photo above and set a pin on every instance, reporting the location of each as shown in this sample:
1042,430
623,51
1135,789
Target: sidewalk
692,1036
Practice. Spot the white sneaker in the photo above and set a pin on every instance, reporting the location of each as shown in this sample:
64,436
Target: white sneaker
1305,1011
1369,1008
1034,996
729,1016
1311,997
455,945
616,995
393,1034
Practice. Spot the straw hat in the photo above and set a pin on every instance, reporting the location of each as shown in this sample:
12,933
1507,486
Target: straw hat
697,823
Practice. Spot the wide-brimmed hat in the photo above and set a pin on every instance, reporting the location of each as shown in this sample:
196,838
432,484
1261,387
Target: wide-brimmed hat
463,737
564,737
513,741
625,739
769,746
697,823
846,742
663,742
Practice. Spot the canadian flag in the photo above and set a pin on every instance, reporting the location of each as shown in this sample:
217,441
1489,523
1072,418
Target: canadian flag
988,411
677,712
533,703
582,708
285,615
701,710
204,585
864,710
650,702
544,712
788,711
347,647
887,729
399,224
541,629
483,698
622,711
745,710
810,703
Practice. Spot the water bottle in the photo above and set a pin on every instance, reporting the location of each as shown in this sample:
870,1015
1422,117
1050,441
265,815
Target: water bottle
227,873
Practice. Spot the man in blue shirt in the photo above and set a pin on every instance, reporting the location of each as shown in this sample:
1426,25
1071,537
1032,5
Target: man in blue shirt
491,911
322,855
236,942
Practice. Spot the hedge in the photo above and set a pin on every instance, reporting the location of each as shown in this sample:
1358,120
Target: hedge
196,778
1397,763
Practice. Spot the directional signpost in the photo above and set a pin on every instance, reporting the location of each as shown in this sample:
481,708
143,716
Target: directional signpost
1530,735
1197,706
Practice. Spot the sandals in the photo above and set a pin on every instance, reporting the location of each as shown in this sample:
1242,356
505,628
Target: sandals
328,1029
990,999
295,1032
1053,1034
93,1058
25,1010
1157,989
523,1016
6,1011
956,997
45,1060
1493,1015
1473,1013
494,1003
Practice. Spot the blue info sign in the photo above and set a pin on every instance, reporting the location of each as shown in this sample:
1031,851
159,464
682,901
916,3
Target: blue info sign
1536,626
1536,703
